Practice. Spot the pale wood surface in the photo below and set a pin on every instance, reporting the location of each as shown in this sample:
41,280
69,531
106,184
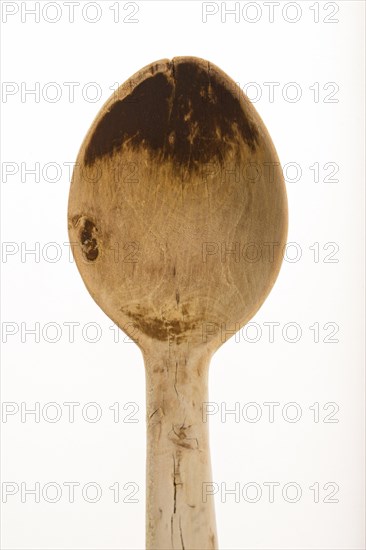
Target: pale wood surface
178,158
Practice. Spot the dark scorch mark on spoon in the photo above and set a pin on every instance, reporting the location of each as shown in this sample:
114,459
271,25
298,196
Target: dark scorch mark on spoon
189,117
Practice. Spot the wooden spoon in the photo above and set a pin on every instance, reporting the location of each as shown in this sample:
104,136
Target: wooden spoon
179,209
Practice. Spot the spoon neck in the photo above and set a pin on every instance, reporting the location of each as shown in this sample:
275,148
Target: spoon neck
176,387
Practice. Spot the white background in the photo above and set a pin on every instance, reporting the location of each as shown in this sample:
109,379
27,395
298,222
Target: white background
324,127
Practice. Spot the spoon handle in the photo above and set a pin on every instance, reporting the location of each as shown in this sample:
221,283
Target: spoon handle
178,456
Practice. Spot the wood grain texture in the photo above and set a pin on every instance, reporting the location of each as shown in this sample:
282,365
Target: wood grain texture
178,212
